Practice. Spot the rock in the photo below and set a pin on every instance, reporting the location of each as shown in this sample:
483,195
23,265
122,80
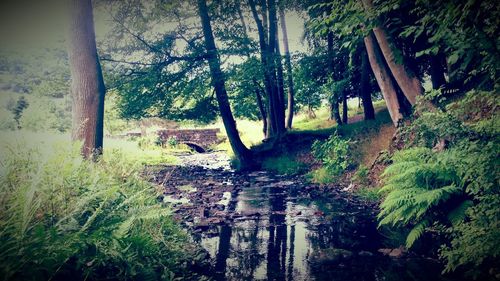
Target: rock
330,256
351,186
263,179
393,253
385,251
365,254
397,253
319,213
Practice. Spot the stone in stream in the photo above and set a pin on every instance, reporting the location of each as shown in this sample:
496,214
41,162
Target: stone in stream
393,253
329,257
365,254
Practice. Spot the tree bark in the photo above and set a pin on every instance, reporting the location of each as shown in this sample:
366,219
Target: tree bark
276,106
334,103
87,83
288,66
240,150
437,72
344,107
280,81
365,90
383,78
262,108
407,81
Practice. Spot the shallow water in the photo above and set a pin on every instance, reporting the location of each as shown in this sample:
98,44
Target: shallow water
273,230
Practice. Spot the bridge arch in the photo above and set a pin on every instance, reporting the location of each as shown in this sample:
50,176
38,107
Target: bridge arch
196,147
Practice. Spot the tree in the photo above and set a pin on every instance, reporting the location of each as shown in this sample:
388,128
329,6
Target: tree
87,81
407,81
365,89
288,66
218,82
334,99
383,78
267,31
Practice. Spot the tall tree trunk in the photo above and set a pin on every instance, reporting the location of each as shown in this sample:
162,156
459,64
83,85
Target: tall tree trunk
267,44
383,78
288,66
264,58
258,95
334,102
239,149
365,89
242,18
262,108
344,107
437,72
407,81
276,106
87,82
280,81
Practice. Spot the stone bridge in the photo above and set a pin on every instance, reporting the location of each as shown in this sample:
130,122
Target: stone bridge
198,139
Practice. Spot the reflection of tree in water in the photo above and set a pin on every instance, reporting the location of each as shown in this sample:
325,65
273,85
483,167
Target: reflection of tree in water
276,247
223,252
247,250
345,228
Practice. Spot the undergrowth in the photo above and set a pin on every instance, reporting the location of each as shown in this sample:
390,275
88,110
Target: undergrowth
447,182
64,218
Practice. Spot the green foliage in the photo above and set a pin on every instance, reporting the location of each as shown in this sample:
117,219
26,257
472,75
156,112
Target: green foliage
419,184
308,76
454,191
63,217
432,127
284,165
172,141
467,31
334,154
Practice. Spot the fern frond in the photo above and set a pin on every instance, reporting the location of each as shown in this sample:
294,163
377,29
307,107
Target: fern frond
416,233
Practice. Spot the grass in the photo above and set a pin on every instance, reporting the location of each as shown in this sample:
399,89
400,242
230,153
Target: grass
368,193
45,142
284,165
321,176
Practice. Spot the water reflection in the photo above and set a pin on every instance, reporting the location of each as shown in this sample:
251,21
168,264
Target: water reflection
280,235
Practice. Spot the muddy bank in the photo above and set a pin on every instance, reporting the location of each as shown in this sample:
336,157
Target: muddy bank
262,226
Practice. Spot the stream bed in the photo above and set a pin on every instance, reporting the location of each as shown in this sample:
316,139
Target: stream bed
262,226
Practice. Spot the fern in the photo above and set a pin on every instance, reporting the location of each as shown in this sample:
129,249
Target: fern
100,216
417,183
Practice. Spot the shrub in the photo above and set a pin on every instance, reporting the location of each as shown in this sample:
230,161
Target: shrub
334,153
63,217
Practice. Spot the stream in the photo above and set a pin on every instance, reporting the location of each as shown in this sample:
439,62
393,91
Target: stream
262,226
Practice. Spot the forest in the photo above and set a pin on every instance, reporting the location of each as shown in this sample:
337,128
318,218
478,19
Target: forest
250,140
